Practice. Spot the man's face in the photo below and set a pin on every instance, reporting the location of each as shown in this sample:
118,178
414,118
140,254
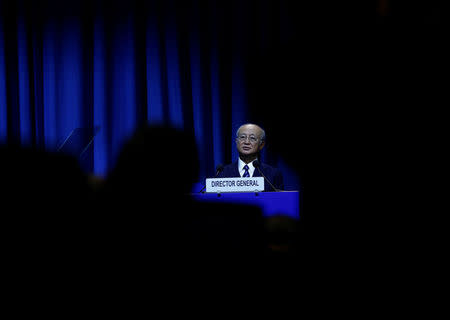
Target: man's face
248,141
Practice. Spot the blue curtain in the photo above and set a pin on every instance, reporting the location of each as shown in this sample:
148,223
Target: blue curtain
119,64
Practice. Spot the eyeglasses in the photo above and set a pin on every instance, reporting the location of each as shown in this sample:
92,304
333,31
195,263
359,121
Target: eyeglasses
252,139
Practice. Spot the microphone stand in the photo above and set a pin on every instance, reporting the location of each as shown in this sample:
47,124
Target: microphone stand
218,170
256,165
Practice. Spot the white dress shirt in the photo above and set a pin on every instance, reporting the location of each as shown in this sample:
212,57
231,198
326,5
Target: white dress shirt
241,165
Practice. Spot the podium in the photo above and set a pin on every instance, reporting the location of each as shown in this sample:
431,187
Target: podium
271,203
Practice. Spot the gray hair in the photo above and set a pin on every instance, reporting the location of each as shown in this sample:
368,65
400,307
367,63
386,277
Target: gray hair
263,133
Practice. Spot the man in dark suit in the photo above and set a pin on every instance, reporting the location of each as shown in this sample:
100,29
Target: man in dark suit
250,140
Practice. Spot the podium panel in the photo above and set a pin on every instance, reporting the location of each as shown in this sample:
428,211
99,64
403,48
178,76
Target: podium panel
271,203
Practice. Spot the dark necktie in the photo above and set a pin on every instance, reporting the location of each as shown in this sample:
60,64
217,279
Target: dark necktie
246,173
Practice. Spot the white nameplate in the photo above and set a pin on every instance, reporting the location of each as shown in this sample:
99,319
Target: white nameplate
234,184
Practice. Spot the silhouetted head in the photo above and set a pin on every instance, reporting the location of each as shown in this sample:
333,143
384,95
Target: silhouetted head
156,160
35,178
45,215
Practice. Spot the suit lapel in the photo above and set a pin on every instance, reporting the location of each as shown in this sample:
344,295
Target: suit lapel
236,170
256,173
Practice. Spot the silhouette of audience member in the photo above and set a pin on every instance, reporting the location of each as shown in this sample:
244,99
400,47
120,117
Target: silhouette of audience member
143,228
52,181
147,190
156,216
158,161
142,231
152,235
142,201
44,222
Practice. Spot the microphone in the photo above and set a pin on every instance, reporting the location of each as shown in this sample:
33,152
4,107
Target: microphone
219,169
256,165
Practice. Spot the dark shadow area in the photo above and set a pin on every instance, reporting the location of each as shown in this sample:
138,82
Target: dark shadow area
147,195
149,221
411,68
359,118
138,230
45,226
